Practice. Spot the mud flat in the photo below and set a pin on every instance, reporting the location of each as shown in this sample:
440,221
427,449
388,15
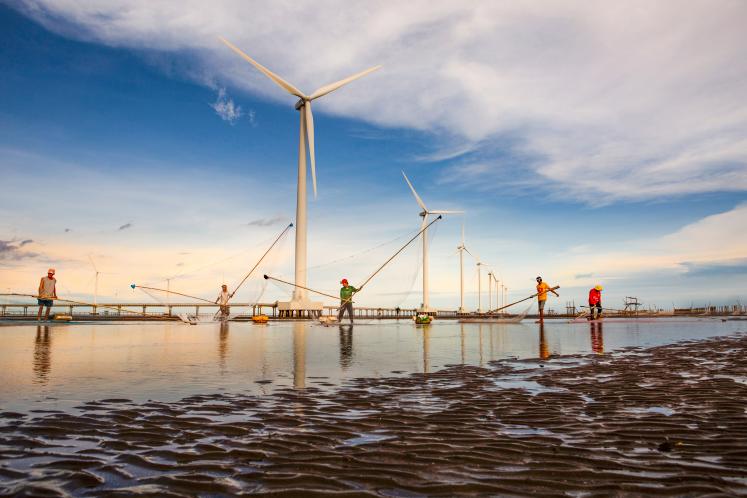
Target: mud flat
669,420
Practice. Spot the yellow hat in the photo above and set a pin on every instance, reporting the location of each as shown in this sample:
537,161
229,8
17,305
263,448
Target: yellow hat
598,287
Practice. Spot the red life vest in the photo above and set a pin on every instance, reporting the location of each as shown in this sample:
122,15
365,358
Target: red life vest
595,297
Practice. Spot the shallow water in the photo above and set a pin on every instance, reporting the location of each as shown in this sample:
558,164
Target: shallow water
61,366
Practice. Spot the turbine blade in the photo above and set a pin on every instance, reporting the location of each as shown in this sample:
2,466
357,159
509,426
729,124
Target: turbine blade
446,212
462,234
334,86
310,141
274,77
417,197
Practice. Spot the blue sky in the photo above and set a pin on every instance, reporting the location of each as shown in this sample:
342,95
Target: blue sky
623,165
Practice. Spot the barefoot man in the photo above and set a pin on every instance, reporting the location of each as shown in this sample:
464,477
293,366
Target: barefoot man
346,300
542,289
222,300
47,293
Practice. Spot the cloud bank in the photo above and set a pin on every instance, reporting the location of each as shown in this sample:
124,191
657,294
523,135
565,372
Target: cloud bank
603,101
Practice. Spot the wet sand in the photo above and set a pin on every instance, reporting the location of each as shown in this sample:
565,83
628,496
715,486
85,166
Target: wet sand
669,420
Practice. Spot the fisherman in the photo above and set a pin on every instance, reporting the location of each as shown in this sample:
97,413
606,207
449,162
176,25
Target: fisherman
595,302
346,299
223,299
47,293
542,289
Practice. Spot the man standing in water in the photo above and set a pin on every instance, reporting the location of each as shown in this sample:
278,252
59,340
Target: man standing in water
542,289
47,293
595,302
346,300
223,299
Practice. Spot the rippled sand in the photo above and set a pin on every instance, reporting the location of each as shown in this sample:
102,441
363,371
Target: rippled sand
669,420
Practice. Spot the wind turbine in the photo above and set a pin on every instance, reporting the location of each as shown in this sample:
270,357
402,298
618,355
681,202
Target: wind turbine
306,139
96,281
490,291
461,248
424,214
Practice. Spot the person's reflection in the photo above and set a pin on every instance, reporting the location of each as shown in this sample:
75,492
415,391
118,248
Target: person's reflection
42,354
597,338
544,349
346,346
299,355
223,345
426,348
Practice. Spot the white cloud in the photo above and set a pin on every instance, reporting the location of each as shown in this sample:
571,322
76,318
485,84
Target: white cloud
227,109
614,101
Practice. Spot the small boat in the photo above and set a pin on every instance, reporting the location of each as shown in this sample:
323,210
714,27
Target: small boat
260,319
423,319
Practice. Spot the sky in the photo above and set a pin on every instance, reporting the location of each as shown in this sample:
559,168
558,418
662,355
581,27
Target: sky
587,142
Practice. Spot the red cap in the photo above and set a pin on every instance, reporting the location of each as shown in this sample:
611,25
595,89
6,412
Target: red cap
344,281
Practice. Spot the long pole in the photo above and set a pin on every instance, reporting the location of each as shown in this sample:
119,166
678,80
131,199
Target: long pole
268,277
262,258
299,293
80,303
522,300
168,292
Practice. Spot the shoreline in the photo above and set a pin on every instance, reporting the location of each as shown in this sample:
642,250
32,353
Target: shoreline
666,420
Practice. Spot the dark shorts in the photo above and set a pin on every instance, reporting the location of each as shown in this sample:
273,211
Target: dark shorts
45,302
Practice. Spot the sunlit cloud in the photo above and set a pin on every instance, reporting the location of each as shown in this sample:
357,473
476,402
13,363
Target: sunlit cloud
653,106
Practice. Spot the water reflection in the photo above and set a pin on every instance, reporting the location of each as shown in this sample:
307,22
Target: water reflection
299,355
544,348
479,329
461,335
223,346
170,361
597,338
426,331
42,354
346,346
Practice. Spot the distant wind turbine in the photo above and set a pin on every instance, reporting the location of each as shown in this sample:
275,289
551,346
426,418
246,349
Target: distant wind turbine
306,139
461,249
96,281
424,214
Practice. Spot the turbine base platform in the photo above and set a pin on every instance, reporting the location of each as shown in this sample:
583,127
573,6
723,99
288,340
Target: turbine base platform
300,309
427,310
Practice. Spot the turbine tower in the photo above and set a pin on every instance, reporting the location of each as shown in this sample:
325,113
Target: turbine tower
300,302
425,308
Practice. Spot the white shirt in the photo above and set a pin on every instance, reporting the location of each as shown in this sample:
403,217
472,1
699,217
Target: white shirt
223,298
